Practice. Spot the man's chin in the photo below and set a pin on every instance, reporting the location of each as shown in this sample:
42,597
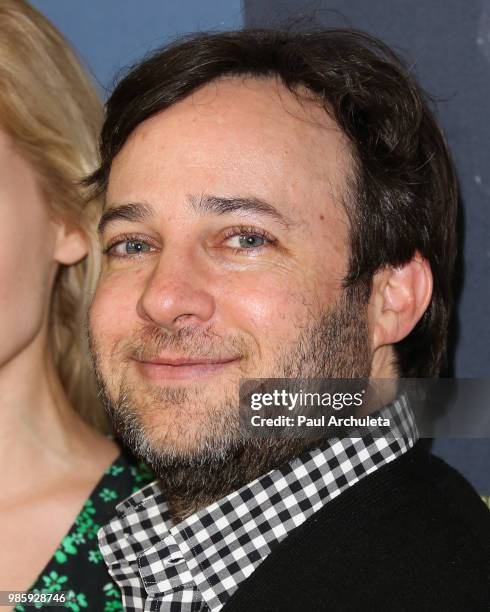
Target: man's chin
175,427
191,449
181,439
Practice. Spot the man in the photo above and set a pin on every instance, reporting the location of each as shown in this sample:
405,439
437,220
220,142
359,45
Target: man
277,206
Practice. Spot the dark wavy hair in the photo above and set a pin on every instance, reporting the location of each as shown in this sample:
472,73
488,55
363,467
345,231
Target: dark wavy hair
403,197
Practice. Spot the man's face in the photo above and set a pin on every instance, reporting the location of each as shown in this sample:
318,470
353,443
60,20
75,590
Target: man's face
226,242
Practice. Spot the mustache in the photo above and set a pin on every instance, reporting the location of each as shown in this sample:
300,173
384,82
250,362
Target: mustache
151,342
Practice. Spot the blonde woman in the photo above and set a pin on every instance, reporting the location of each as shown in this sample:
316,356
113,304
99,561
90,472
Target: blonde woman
61,476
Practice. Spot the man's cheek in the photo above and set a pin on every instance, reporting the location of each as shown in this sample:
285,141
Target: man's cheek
115,302
267,310
111,320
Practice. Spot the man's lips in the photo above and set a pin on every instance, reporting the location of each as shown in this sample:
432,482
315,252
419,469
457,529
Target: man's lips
178,368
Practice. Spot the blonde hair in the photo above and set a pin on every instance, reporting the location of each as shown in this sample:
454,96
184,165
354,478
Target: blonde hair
51,111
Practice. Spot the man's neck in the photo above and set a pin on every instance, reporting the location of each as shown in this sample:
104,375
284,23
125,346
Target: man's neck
191,488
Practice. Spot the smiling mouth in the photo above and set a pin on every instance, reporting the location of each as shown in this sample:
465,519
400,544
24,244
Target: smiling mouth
182,368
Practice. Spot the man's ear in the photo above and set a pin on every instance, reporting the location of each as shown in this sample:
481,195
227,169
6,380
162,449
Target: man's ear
71,245
399,298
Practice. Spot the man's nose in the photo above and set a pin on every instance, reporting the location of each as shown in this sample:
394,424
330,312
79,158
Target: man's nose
176,295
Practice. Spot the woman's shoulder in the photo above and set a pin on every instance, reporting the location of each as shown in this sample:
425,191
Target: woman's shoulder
77,566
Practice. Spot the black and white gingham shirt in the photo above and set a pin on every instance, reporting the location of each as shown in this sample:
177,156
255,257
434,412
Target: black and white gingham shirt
199,563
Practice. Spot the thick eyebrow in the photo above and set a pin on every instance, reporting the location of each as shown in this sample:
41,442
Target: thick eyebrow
203,205
209,204
133,211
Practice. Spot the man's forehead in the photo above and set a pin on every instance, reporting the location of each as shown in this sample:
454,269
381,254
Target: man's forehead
234,132
263,104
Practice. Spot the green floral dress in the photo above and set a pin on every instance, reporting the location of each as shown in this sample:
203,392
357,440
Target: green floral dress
77,566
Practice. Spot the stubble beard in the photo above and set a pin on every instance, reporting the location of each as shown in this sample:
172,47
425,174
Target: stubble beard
334,344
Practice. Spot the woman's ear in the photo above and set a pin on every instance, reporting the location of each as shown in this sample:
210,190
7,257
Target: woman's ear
399,298
71,243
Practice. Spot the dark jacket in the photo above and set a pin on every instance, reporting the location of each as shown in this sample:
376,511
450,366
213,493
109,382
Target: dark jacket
413,536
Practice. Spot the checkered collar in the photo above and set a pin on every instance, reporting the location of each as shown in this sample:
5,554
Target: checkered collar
198,564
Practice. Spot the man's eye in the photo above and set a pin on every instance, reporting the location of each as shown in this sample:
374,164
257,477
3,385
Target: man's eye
247,241
125,248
